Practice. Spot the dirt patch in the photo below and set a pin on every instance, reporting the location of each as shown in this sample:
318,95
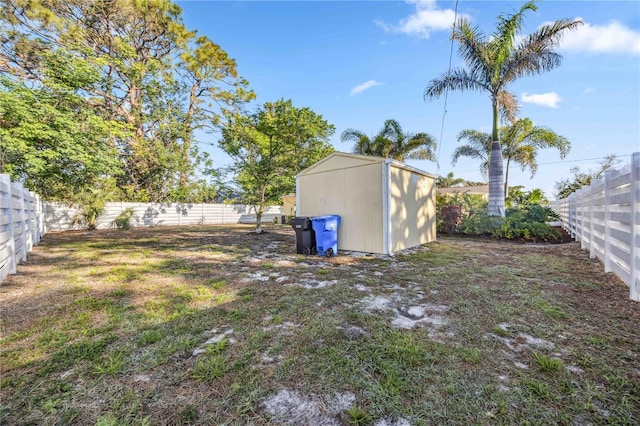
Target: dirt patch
288,407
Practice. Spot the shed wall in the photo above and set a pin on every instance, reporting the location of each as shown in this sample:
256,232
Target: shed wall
289,205
412,209
354,193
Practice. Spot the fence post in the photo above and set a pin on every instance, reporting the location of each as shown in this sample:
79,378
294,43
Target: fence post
569,215
634,264
21,218
583,210
579,218
11,242
608,174
26,195
591,220
39,220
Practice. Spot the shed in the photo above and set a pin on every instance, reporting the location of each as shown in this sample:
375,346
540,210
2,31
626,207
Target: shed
384,205
289,204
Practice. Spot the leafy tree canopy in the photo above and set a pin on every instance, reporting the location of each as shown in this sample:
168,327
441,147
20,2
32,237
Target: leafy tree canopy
52,139
566,187
128,62
269,147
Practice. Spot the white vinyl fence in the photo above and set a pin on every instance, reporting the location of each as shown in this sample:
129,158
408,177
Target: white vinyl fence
60,217
21,224
605,218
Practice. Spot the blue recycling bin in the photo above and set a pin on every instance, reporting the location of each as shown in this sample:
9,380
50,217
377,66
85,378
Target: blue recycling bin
326,229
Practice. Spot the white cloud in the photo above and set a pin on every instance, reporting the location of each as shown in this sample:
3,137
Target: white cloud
610,38
588,90
426,19
550,99
364,86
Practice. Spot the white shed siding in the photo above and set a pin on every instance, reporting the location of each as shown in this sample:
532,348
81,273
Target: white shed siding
384,205
354,194
412,209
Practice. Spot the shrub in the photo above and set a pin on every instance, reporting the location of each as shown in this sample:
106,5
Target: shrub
91,203
480,224
451,215
526,223
123,221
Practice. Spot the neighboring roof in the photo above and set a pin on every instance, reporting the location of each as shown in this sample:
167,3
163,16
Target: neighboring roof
365,159
479,189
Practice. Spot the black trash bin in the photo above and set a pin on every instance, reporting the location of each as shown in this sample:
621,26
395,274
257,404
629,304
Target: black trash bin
305,235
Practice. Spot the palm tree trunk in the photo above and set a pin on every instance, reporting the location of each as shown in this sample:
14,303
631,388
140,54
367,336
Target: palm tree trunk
496,177
506,179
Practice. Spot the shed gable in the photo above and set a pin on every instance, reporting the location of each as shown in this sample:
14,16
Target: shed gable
338,161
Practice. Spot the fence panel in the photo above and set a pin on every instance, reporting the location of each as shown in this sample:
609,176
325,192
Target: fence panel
60,217
605,218
20,224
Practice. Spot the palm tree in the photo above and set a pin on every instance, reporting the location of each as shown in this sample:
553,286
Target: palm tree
493,62
520,144
448,181
478,148
523,139
392,142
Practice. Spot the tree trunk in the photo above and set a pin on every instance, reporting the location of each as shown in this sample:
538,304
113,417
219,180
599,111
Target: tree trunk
259,221
496,177
506,179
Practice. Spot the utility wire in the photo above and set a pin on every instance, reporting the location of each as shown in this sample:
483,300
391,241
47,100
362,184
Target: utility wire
446,90
563,161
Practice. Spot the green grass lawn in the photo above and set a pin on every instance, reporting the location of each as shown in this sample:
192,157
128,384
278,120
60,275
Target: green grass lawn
215,325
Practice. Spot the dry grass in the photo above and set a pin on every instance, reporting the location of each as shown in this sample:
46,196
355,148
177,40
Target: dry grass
215,325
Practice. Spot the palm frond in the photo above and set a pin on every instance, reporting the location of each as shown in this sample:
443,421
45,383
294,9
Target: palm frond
468,151
352,135
481,140
506,31
421,146
362,145
457,79
473,48
535,54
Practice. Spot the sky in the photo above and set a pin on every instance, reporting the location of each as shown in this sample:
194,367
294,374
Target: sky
359,63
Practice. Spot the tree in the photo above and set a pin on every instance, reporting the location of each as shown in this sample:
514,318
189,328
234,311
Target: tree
477,148
519,197
448,181
52,138
566,187
269,147
520,142
161,80
392,142
493,62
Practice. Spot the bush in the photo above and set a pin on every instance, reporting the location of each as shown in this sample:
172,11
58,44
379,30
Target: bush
522,223
480,224
451,216
123,221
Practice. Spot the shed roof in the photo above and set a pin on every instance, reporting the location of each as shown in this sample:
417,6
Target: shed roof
365,159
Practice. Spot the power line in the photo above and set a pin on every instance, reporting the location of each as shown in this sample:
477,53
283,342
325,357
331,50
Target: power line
584,159
446,89
563,161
